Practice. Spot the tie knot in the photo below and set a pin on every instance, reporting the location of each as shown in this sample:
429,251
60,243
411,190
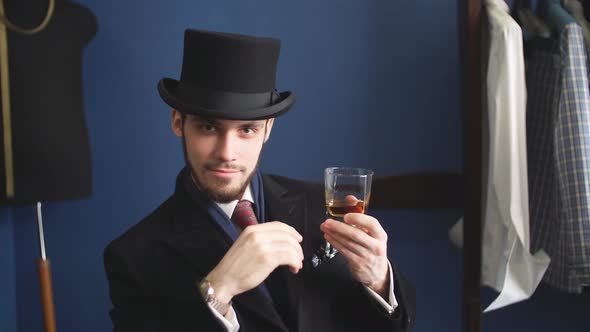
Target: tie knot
244,215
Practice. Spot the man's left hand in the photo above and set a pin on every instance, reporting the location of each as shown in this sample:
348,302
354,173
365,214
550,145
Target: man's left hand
363,242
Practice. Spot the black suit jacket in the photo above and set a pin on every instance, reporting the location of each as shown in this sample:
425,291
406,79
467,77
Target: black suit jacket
154,267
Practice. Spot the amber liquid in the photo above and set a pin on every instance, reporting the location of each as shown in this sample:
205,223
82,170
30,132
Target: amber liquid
340,208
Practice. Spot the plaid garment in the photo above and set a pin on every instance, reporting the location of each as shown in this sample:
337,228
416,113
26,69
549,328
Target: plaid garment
558,138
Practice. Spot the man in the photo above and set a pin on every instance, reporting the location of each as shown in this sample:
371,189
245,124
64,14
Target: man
232,248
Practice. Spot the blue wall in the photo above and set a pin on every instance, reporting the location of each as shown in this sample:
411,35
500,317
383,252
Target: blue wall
7,273
377,85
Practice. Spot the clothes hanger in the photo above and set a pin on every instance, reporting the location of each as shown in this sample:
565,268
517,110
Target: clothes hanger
553,13
530,22
575,8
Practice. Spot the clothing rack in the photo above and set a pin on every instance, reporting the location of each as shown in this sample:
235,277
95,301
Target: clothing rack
449,190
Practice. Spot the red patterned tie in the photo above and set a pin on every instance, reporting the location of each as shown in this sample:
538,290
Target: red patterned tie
244,215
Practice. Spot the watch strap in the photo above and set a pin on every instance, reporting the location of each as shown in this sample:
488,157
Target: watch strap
208,294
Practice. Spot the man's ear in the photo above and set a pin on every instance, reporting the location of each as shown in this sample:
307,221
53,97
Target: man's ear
177,123
269,124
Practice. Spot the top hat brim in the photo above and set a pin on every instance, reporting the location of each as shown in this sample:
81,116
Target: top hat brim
167,88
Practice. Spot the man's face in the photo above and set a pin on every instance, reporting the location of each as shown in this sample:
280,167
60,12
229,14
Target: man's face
222,154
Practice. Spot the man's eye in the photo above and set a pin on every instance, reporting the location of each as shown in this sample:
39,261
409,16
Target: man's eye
207,127
248,131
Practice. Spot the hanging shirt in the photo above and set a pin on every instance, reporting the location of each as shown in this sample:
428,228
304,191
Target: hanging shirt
558,144
507,264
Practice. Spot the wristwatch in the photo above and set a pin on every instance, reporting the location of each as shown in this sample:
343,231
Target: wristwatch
207,292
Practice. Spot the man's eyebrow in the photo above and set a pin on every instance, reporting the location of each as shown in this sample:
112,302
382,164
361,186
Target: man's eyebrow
200,119
252,124
217,123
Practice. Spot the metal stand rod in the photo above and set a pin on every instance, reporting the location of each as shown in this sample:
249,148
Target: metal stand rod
41,234
45,278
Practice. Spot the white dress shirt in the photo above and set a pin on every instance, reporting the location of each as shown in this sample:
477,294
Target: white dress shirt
230,320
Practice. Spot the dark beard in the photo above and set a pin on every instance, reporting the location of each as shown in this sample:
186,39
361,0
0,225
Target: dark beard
222,196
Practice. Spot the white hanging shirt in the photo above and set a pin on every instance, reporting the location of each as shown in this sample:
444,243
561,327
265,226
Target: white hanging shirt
507,264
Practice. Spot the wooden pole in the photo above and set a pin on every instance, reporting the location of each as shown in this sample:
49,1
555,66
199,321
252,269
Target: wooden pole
46,295
45,279
470,17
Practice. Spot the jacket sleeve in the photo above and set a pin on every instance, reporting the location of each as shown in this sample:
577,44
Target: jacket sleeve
136,308
406,297
403,317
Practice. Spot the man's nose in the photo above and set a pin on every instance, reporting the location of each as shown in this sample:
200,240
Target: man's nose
227,147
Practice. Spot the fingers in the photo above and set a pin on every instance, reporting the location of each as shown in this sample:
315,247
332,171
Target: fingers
353,238
256,253
366,255
274,244
275,226
268,241
348,249
368,223
350,200
278,255
288,257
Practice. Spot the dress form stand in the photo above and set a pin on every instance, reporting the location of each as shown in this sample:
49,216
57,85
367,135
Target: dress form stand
45,149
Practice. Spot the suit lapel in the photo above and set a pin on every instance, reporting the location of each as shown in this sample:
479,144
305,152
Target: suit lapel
203,243
196,237
284,206
286,288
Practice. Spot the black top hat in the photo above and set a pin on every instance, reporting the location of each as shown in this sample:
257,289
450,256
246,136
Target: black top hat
227,76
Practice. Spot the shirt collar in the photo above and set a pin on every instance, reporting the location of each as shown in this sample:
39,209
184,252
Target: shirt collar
500,3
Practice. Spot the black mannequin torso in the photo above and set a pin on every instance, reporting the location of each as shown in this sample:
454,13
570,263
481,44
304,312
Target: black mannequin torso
51,151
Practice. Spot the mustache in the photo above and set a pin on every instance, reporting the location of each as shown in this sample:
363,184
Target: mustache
217,165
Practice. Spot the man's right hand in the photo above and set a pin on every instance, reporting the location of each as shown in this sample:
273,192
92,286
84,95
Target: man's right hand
256,253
